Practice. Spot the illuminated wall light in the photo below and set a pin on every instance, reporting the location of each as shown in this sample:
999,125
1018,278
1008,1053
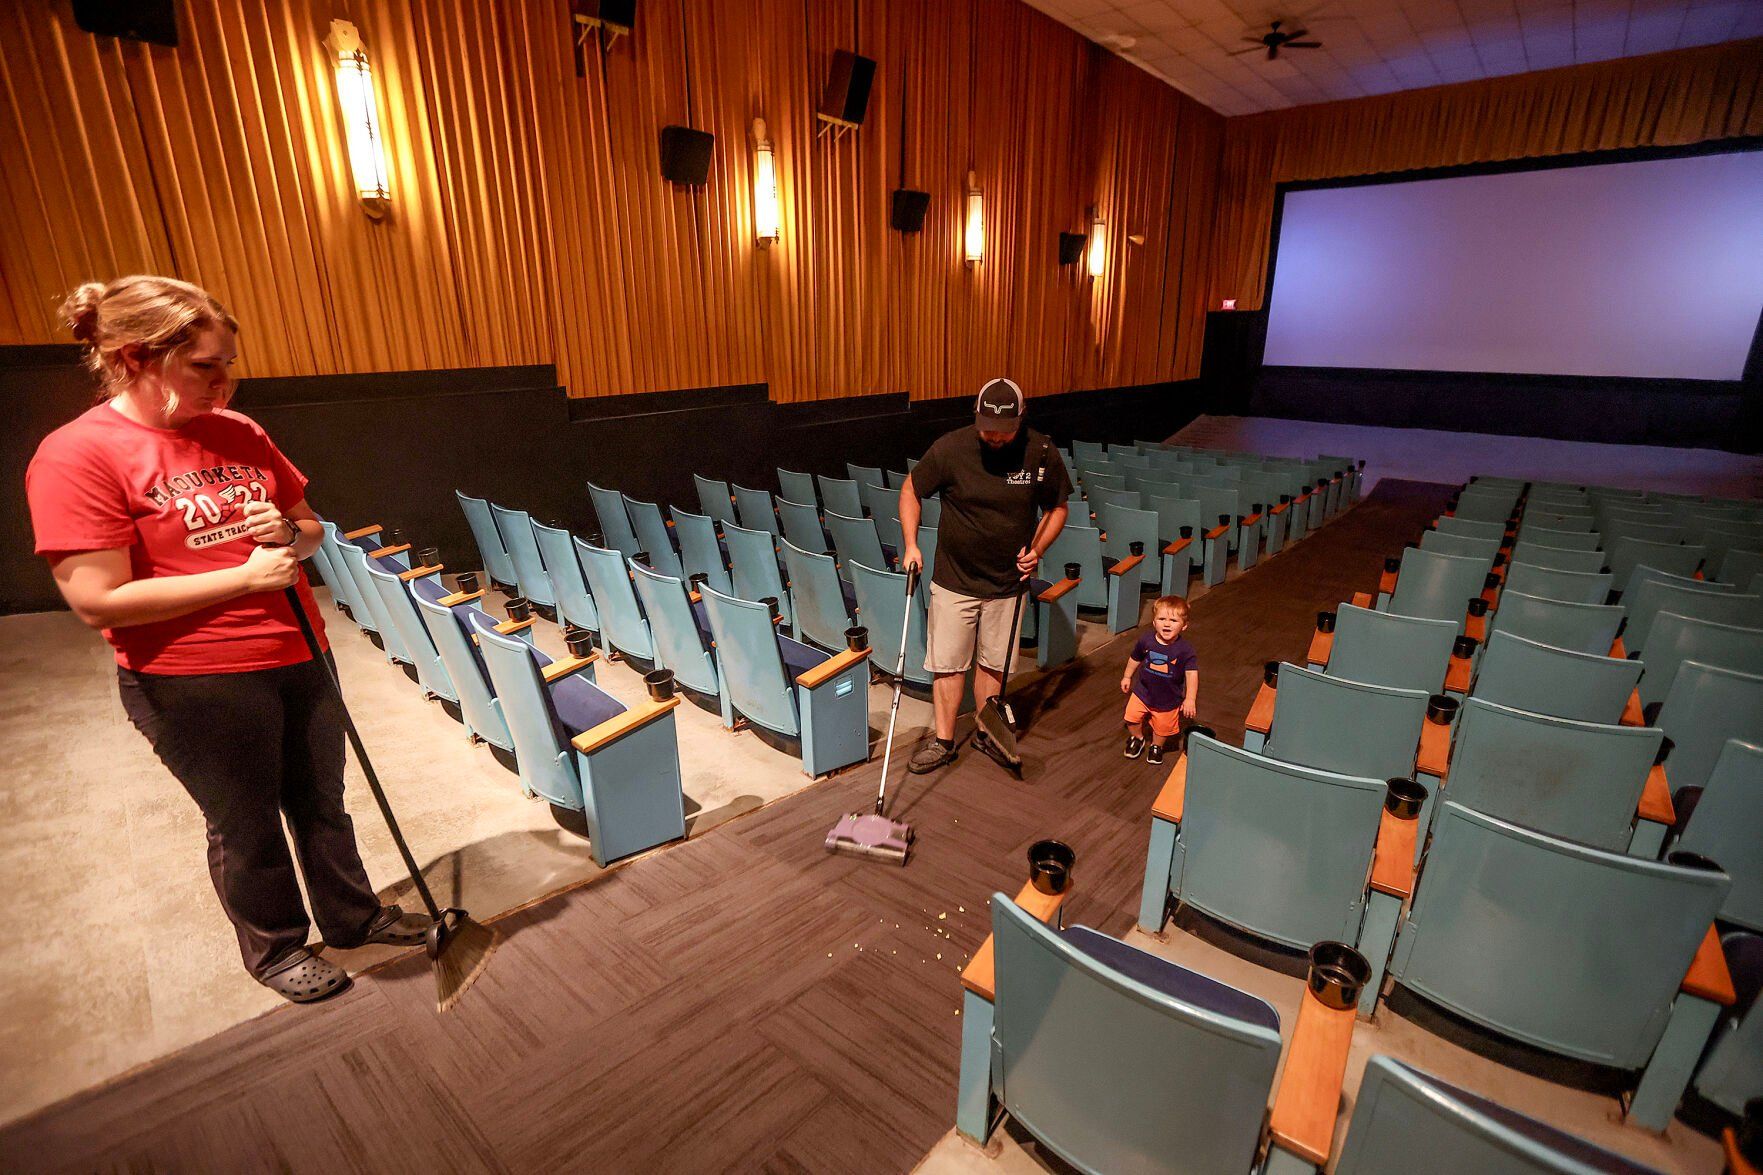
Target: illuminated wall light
1098,261
766,220
974,238
361,116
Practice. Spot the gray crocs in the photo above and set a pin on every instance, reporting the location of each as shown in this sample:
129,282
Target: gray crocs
391,927
305,977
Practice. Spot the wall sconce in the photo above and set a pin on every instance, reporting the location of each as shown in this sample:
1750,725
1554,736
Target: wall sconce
361,117
765,209
974,238
1098,261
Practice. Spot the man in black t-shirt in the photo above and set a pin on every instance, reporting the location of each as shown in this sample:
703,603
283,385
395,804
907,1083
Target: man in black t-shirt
1003,491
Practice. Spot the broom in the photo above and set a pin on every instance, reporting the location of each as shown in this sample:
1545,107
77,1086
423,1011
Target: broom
458,947
872,834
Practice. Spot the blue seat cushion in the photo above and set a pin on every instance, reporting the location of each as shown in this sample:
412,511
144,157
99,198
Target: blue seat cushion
701,615
1190,987
1744,955
891,555
577,704
798,657
850,594
430,588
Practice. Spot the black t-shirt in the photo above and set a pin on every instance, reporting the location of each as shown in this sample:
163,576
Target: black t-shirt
990,502
1162,680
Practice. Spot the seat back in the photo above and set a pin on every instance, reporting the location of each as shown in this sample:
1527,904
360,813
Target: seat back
1274,848
1735,564
1571,949
1468,528
1381,648
927,548
1082,545
494,556
749,664
575,603
1173,513
516,529
1529,675
755,509
856,541
1676,639
622,623
1672,558
541,745
884,607
1119,1061
1582,628
1564,540
1576,780
616,530
883,506
753,566
398,608
1575,587
1487,506
1654,531
1724,828
797,487
1405,1120
653,533
450,630
679,645
714,498
1706,707
801,523
865,473
1437,586
930,511
1124,525
1469,547
355,561
1557,518
1558,558
700,550
1650,595
1333,724
817,598
840,496
342,580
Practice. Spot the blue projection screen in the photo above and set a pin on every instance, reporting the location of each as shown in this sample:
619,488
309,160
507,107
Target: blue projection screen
1651,268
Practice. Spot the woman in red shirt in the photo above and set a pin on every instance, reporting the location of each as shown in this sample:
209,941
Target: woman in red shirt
174,525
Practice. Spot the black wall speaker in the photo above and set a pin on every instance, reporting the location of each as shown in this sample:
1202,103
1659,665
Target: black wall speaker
847,88
685,154
907,213
618,15
137,20
1071,248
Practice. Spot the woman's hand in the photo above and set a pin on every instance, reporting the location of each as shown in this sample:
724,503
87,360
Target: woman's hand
269,526
269,568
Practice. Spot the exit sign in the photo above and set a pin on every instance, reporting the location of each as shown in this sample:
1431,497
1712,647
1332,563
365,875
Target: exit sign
1228,304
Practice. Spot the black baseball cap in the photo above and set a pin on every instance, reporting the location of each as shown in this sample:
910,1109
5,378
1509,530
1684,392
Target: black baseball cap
1000,406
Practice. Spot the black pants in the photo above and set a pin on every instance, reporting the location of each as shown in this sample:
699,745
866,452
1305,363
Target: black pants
251,748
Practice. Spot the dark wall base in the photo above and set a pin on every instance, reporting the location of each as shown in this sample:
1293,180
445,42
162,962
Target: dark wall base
1688,413
392,447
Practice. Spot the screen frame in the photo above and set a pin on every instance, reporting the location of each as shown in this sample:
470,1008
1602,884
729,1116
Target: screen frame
1753,370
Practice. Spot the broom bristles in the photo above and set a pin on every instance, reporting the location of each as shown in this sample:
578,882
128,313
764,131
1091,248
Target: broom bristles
462,960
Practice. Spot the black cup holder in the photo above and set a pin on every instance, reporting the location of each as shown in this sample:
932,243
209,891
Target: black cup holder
1688,860
1478,606
1338,973
519,608
1187,532
1492,581
1224,520
1270,674
1393,564
1464,647
1074,571
395,537
698,579
1135,548
427,557
856,638
1402,798
770,603
659,683
580,642
1285,499
1188,732
641,557
1441,709
1049,865
1325,621
467,583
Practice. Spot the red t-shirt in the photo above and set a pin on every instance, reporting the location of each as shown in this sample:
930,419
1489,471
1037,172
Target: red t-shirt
175,498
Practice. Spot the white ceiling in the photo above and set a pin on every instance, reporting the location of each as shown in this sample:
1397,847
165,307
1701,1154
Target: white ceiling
1376,46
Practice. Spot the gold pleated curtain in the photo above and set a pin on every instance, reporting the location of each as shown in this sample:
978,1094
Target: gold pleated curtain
1666,99
529,222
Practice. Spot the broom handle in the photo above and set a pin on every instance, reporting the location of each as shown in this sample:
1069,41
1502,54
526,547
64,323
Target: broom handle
373,781
881,792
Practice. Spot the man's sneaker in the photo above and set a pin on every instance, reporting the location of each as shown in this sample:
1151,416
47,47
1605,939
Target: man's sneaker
931,754
1135,746
983,743
1154,754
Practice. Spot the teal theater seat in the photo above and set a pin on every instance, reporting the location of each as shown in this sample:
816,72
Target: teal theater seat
797,487
1382,648
714,499
755,509
1672,558
1725,824
1333,724
575,603
1582,628
623,627
1560,558
680,643
496,563
1574,587
1468,528
1482,549
801,523
701,552
838,496
754,567
1436,586
1529,675
1707,706
344,588
400,611
655,536
616,531
1675,639
1731,1073
820,601
883,606
856,540
1650,593
516,529
451,629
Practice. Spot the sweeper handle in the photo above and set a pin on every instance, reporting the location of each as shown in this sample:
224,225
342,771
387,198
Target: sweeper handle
373,781
881,791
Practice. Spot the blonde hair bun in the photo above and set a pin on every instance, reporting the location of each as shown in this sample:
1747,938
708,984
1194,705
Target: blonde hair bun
157,314
80,311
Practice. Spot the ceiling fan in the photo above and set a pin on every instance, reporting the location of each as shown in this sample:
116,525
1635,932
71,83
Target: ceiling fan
1274,40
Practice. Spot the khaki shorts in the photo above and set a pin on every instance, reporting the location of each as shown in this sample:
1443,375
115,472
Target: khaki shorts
956,621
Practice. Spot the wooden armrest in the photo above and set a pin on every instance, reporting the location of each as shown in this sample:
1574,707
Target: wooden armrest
1618,649
558,670
384,551
1708,976
1309,1096
1632,714
1169,802
419,572
1260,717
831,667
619,725
979,976
1279,509
1057,590
510,627
1321,647
1216,531
1457,674
1178,546
1736,1163
352,535
667,522
1362,599
694,597
1477,627
1392,865
1303,497
1125,565
1386,583
1251,519
460,598
1492,596
1435,748
1655,803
